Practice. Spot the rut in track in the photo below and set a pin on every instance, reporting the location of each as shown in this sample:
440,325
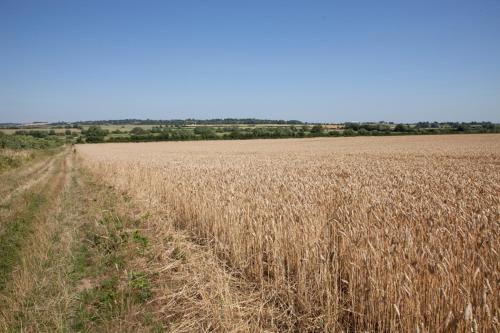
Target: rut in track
25,178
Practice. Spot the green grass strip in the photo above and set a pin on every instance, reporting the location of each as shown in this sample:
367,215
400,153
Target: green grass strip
12,239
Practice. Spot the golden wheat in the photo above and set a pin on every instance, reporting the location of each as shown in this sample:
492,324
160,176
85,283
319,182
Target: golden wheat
378,234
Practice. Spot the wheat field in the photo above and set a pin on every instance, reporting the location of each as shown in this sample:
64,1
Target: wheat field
338,234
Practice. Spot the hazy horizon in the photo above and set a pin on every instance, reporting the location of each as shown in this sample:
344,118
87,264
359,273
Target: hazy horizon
205,119
323,61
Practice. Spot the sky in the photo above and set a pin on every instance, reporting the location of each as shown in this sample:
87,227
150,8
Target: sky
311,60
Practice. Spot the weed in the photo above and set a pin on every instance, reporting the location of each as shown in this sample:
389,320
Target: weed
98,304
167,239
178,254
140,285
140,240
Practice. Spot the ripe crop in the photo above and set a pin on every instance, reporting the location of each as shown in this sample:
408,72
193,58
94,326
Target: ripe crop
378,234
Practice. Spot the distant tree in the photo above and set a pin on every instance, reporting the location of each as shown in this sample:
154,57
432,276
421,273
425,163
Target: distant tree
363,131
400,128
423,124
488,125
317,129
384,127
335,133
138,130
352,126
205,132
349,132
95,134
38,134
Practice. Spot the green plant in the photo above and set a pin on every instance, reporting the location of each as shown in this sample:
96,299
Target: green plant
141,286
139,239
178,254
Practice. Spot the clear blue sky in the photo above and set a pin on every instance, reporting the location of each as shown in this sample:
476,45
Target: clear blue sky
327,61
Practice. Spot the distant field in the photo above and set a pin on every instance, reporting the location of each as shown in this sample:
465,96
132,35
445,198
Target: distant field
244,125
126,127
61,130
344,234
57,130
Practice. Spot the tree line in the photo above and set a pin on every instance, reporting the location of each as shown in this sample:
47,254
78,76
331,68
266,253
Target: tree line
138,134
95,133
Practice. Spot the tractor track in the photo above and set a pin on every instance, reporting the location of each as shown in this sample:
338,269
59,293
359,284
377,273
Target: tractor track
31,176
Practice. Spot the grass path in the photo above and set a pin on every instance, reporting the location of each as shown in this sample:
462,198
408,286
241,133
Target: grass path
21,238
17,180
18,218
62,258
